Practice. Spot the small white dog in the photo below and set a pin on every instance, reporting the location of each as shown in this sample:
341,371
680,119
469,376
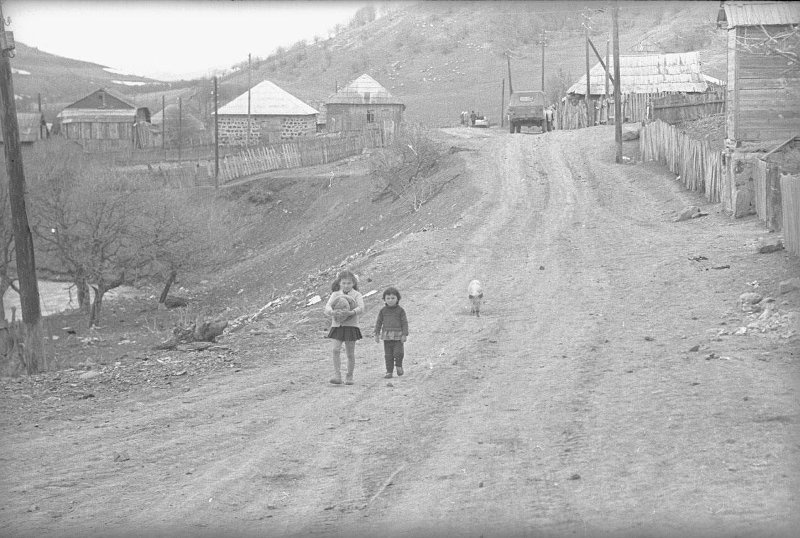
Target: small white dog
475,291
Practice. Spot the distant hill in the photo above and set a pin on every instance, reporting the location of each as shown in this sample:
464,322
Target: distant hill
439,57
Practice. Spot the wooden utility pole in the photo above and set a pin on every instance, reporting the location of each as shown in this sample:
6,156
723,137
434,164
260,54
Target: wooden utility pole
249,84
606,68
164,126
618,119
216,138
588,79
502,102
510,87
544,44
180,127
33,349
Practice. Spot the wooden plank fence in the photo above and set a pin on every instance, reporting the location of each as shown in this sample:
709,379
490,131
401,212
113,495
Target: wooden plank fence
675,108
790,198
296,153
698,165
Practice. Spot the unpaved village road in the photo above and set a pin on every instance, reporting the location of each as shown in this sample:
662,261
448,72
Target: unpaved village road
573,406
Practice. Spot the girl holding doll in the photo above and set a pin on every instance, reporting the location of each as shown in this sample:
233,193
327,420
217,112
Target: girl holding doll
344,306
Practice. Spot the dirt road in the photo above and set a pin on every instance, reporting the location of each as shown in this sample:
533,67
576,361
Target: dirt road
573,406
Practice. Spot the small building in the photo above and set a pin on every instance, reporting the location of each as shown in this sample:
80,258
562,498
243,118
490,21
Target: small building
104,121
762,95
643,77
32,127
763,89
363,105
275,115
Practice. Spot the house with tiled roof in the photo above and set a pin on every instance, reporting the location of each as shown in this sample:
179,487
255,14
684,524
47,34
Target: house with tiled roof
104,121
361,105
268,114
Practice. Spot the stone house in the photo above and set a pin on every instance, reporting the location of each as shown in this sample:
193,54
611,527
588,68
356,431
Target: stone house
104,121
363,105
275,115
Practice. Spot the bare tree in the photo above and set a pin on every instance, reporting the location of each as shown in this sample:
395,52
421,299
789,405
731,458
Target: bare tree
406,169
783,41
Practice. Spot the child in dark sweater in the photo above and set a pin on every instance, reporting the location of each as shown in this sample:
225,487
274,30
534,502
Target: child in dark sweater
392,327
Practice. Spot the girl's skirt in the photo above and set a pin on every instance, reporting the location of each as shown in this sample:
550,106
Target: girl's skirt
345,334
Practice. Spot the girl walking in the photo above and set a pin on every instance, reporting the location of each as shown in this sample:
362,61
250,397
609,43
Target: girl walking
344,306
392,326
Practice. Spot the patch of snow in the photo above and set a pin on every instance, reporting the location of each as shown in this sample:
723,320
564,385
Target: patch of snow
129,82
116,71
19,71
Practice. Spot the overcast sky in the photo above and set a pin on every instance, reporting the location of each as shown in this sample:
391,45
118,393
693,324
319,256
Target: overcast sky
174,38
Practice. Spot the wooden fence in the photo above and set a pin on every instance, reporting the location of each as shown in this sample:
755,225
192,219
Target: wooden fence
675,108
790,202
696,163
297,153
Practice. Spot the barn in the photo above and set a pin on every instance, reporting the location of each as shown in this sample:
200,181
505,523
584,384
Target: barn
274,115
363,105
104,121
763,82
643,77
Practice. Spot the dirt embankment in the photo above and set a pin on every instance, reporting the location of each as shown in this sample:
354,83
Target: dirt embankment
603,390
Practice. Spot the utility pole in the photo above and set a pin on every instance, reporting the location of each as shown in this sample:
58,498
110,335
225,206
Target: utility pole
216,138
617,93
180,127
606,70
164,126
249,84
543,41
588,79
33,350
502,102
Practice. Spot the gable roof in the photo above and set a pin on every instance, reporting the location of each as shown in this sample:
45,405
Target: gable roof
761,13
267,99
364,90
29,125
102,99
679,72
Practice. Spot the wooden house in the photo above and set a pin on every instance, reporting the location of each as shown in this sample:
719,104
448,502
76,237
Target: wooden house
763,90
363,105
32,127
643,77
104,121
274,115
762,96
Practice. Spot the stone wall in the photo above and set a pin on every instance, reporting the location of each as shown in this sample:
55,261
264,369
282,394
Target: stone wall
264,129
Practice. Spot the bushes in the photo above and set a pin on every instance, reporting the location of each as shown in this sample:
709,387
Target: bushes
407,168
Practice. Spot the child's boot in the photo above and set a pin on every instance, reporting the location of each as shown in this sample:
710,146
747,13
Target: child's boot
351,366
337,371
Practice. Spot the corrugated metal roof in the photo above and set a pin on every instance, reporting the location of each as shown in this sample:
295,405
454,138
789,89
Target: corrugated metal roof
69,115
761,13
364,90
267,99
679,72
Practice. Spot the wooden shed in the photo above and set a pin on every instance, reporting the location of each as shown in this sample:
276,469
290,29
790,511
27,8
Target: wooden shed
363,105
275,115
643,77
104,121
32,127
763,90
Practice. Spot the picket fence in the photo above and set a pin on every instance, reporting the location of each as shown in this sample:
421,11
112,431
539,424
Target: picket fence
698,165
790,198
297,153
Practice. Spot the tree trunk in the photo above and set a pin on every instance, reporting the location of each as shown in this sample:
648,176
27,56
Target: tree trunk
82,288
97,306
170,280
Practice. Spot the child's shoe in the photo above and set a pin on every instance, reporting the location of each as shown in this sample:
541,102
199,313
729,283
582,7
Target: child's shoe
336,380
348,380
388,375
399,370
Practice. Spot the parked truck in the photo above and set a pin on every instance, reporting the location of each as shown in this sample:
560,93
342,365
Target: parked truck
524,107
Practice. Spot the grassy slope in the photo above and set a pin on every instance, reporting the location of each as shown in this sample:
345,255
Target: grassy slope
439,57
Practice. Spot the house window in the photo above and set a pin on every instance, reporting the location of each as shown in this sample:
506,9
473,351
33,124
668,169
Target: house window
370,116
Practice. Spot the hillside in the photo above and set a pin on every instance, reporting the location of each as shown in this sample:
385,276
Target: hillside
440,57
